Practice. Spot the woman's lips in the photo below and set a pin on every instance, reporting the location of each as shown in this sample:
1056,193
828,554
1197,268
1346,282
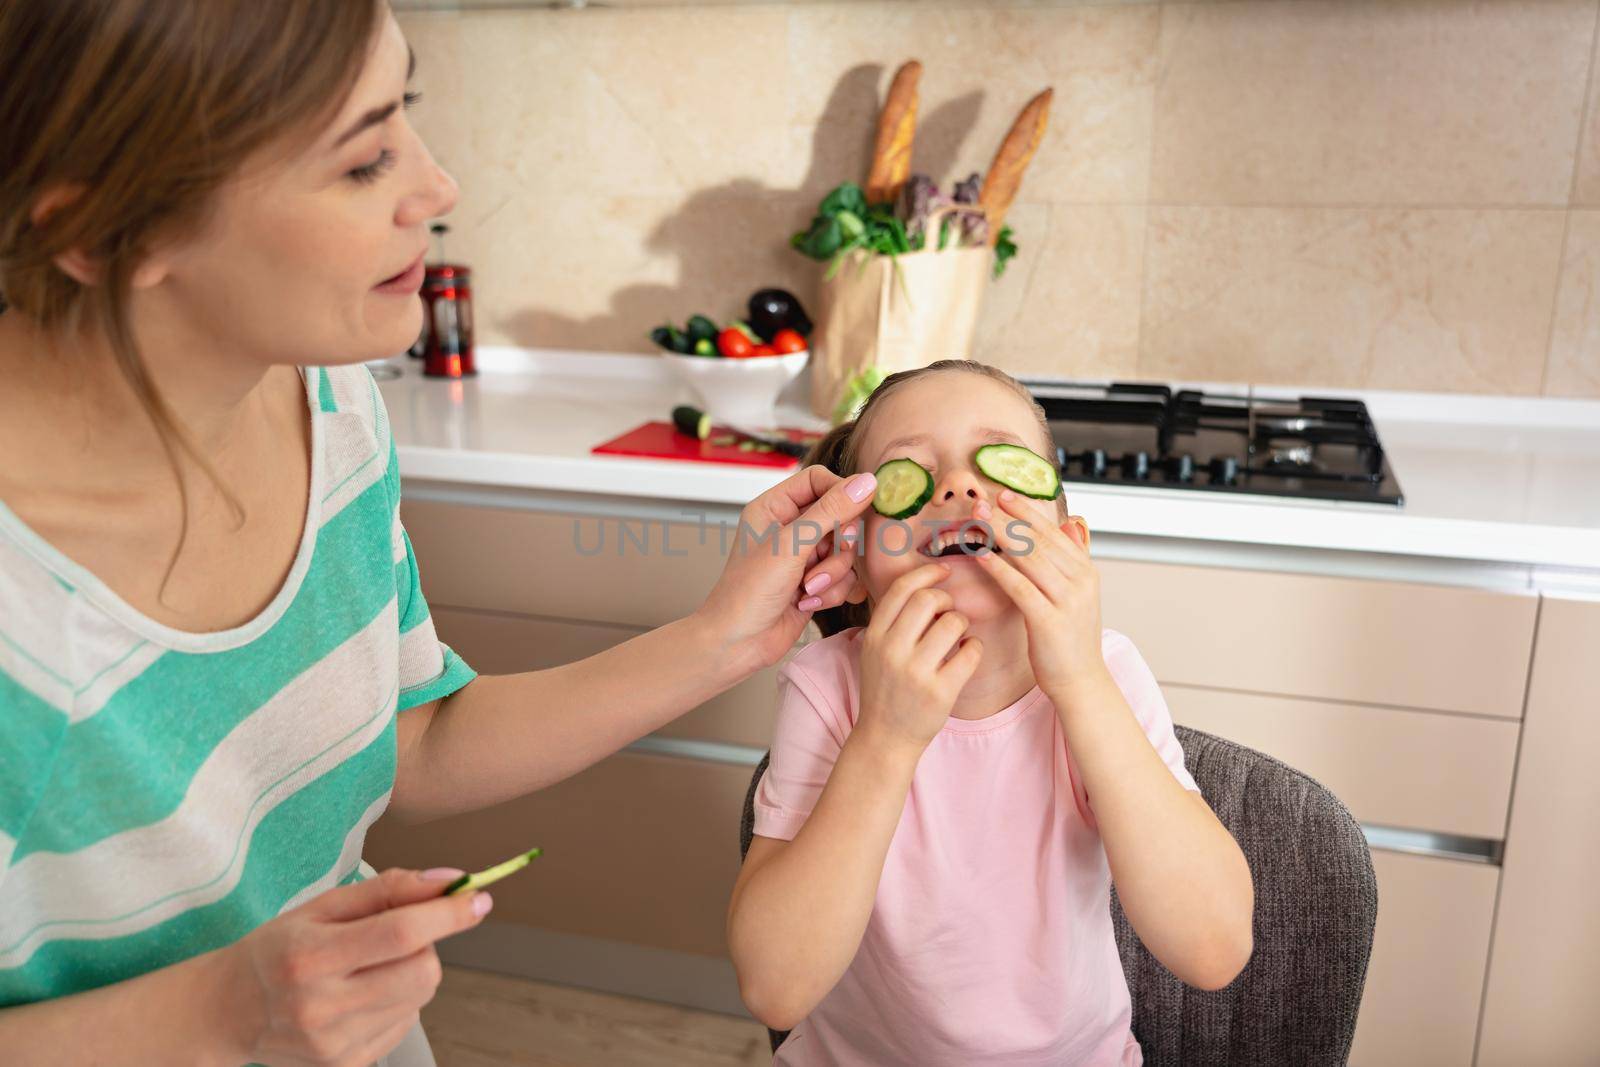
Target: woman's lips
407,282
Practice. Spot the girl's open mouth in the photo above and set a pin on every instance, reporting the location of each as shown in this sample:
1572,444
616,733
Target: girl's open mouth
968,539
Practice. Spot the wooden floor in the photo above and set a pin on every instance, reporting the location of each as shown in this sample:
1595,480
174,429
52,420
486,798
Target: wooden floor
480,1019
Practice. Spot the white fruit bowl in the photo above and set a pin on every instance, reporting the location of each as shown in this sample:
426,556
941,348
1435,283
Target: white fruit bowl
739,392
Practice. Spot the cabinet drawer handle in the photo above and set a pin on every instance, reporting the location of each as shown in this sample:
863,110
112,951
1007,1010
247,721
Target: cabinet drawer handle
1430,843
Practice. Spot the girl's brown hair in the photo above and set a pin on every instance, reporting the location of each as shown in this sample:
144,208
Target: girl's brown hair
838,451
133,113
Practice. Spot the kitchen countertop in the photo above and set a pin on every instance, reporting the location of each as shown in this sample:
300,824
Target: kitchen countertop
1508,482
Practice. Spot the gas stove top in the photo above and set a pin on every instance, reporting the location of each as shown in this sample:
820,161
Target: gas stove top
1142,434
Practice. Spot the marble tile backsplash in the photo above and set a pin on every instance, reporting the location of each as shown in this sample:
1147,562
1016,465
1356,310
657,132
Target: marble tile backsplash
1393,194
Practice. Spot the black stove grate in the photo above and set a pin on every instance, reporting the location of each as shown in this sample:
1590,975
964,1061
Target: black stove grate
1321,448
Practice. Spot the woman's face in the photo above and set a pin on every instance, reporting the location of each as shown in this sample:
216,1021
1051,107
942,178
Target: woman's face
317,258
940,421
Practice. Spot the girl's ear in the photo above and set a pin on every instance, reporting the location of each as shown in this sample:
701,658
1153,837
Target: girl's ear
1076,528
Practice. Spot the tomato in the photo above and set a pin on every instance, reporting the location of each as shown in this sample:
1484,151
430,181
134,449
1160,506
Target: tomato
734,344
787,341
763,350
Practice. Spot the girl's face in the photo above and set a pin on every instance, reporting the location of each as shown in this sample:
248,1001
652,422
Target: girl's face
940,421
318,258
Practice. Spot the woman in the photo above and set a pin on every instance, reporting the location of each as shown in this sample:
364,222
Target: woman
216,664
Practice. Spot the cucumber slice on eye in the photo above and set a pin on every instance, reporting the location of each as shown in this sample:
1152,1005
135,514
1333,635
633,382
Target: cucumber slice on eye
493,874
1021,469
904,485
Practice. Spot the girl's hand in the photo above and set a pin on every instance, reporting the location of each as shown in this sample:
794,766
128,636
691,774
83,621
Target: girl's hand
341,979
782,566
1054,584
909,678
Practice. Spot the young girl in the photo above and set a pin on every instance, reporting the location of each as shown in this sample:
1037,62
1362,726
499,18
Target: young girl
960,768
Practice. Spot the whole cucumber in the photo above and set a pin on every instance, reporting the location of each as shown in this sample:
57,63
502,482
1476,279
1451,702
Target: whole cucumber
671,338
701,329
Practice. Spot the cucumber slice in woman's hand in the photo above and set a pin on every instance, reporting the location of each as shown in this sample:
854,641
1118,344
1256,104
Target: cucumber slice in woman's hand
1021,469
493,874
904,485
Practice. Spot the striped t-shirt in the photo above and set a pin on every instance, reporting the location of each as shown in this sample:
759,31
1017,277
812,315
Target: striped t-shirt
163,793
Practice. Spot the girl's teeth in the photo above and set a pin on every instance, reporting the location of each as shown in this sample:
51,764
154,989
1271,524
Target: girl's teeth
942,541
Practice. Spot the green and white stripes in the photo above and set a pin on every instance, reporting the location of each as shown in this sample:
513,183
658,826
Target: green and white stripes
162,793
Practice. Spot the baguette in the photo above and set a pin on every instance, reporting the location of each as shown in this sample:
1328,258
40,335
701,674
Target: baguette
891,155
1000,185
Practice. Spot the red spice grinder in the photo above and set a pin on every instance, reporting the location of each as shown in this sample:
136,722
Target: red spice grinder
445,344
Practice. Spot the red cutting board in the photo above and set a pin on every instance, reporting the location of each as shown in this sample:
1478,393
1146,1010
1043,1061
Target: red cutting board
658,440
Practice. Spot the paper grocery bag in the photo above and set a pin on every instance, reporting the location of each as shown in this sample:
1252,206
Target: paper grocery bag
895,312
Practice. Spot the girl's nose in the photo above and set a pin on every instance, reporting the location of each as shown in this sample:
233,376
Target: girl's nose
957,485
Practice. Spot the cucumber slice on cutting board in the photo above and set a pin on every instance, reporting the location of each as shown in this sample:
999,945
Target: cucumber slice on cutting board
904,485
1021,469
691,421
493,874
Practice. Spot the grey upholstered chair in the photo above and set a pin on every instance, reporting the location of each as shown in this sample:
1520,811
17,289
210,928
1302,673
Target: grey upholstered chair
1316,903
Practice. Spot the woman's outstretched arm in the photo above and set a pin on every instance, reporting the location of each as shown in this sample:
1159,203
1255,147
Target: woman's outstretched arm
501,737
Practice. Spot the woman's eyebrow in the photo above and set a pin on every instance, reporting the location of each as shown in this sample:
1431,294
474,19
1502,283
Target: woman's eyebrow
379,115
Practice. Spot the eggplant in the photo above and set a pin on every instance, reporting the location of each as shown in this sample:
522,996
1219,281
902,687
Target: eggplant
772,310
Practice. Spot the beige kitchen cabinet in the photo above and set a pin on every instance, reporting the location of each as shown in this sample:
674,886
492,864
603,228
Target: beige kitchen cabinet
1544,983
1420,770
1406,699
633,572
1400,644
499,643
639,848
1429,952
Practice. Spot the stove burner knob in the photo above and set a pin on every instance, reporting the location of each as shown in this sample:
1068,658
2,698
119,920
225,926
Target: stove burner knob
1183,468
1224,470
1136,465
1094,463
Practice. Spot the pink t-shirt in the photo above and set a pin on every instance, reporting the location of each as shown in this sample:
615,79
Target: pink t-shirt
990,940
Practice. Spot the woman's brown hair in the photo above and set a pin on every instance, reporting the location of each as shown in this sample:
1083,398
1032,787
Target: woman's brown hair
133,113
838,451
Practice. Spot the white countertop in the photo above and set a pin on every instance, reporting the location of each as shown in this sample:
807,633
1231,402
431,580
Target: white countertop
1501,480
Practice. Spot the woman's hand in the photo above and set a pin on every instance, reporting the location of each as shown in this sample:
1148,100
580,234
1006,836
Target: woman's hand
782,566
1047,573
909,677
341,979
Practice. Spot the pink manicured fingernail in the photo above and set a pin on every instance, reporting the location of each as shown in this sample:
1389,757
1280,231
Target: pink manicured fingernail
481,903
860,487
819,582
440,874
1007,495
811,603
